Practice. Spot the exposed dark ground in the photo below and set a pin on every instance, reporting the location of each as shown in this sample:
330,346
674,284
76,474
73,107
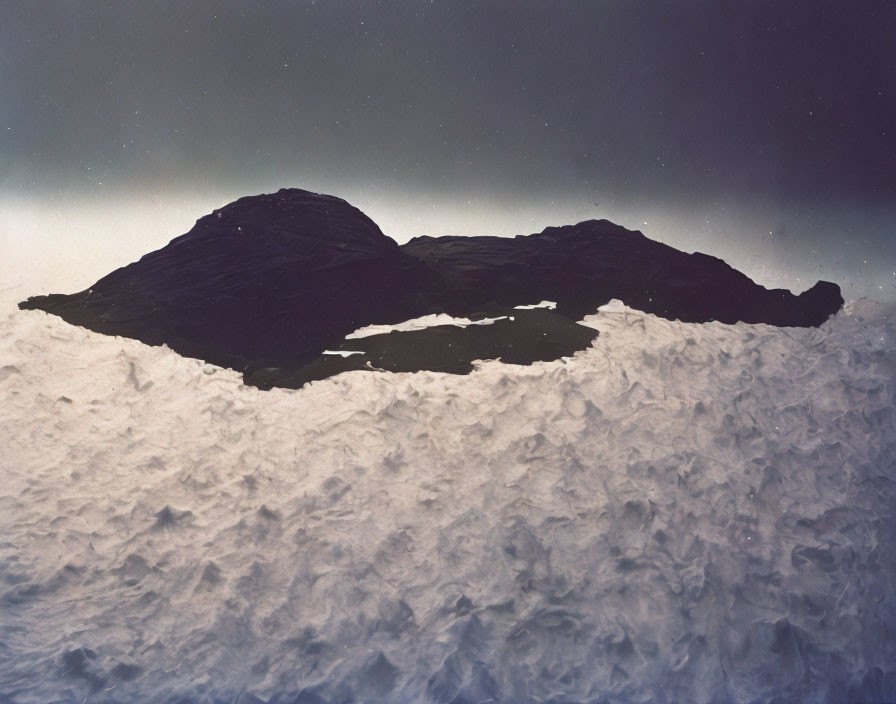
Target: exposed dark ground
268,283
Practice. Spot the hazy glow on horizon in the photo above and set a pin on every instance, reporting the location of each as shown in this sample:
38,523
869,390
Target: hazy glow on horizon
757,132
67,246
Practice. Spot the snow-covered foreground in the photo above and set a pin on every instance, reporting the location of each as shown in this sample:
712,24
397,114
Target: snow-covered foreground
683,513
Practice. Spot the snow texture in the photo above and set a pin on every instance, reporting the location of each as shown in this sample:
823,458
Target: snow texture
681,513
429,321
550,305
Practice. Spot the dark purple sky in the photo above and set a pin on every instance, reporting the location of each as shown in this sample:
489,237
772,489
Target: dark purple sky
790,105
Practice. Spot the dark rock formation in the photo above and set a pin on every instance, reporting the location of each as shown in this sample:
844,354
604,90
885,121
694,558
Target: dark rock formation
516,337
266,284
583,266
269,279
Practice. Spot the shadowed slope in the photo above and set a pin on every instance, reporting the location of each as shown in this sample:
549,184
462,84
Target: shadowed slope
518,337
267,283
266,279
583,266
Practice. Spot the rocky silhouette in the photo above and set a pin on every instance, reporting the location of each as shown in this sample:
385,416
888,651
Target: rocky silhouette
267,283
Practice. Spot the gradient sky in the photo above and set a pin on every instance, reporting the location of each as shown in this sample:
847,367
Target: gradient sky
760,131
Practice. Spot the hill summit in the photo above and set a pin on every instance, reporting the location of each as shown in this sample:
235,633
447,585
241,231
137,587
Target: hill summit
268,283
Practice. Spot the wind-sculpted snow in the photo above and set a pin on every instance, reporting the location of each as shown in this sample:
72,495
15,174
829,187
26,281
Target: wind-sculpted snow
679,513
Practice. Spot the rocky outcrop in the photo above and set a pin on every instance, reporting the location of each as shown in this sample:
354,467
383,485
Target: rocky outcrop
266,284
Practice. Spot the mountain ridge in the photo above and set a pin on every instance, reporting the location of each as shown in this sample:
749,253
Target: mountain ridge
271,281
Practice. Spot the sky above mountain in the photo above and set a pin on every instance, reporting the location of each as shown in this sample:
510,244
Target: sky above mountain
728,125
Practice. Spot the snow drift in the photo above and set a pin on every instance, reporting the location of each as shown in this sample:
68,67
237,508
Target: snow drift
679,513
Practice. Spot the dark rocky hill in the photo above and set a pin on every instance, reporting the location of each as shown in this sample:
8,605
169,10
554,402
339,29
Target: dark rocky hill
583,266
266,280
265,284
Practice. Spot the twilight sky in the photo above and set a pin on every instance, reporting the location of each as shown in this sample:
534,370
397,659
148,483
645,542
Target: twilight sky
763,132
